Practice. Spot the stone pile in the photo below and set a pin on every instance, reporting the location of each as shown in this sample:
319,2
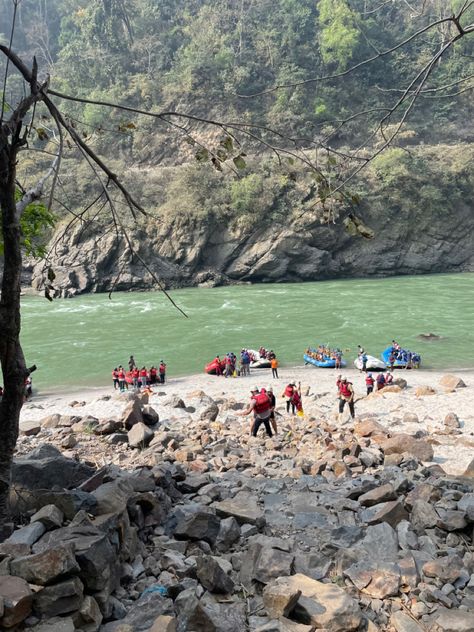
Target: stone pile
203,528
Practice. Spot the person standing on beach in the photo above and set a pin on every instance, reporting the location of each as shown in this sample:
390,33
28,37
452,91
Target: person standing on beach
115,379
162,371
121,378
131,363
346,395
274,365
135,376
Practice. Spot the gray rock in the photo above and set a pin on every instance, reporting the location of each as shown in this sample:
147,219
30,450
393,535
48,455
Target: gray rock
17,599
132,414
46,567
392,512
30,428
423,516
229,532
60,598
454,621
45,467
452,421
201,525
50,516
404,623
213,576
142,614
272,563
377,579
56,624
243,507
140,435
27,535
150,416
380,542
380,494
208,615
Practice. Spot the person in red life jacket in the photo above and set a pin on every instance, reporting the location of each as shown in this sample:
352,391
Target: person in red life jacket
143,376
217,362
115,379
296,401
261,407
162,372
153,375
135,376
288,395
346,395
380,381
121,378
369,383
272,398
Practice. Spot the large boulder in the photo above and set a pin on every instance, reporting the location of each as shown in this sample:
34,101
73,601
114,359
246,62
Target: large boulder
45,467
17,599
132,414
243,507
213,576
140,435
400,443
451,382
59,598
422,391
322,605
142,614
200,525
46,567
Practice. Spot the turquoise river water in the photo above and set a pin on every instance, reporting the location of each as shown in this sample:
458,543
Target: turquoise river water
76,342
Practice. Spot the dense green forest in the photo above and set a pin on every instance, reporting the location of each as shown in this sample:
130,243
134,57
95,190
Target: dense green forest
207,57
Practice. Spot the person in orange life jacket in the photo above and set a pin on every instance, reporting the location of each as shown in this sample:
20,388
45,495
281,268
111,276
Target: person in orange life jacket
274,365
346,395
272,414
143,376
115,378
162,371
288,395
153,375
369,382
260,406
135,376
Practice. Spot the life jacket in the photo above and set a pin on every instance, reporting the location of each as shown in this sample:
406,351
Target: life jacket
115,374
369,381
153,371
121,375
162,368
135,373
143,373
289,390
262,403
345,390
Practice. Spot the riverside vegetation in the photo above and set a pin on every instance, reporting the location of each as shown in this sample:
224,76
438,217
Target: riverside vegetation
163,515
264,223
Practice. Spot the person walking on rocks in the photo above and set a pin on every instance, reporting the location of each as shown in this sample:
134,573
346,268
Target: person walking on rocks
272,414
260,406
288,395
346,395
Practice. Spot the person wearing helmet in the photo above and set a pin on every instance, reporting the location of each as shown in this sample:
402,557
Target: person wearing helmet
346,395
369,383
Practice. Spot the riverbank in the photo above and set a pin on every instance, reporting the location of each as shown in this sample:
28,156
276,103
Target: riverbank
403,411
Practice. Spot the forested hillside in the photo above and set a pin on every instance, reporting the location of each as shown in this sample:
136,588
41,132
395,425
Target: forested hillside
221,60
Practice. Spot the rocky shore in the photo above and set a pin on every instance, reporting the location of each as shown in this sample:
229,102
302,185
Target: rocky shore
161,513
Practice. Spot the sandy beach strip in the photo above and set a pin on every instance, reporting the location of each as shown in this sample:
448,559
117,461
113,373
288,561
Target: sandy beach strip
453,451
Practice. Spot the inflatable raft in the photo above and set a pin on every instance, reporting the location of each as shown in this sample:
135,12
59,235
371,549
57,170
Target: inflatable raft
402,358
257,362
211,368
325,363
372,364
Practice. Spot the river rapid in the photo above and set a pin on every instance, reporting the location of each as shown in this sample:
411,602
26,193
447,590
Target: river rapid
77,342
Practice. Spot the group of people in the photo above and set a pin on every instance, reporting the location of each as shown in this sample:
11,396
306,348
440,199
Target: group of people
262,405
228,366
410,359
323,353
382,379
138,378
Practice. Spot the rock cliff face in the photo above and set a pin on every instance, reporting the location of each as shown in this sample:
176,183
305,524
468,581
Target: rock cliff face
207,251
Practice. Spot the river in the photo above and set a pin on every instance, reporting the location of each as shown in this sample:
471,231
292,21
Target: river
76,342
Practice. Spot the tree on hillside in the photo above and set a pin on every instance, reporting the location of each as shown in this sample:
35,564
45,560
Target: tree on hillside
35,115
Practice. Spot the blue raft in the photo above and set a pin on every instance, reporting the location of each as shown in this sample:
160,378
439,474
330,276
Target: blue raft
402,358
327,363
